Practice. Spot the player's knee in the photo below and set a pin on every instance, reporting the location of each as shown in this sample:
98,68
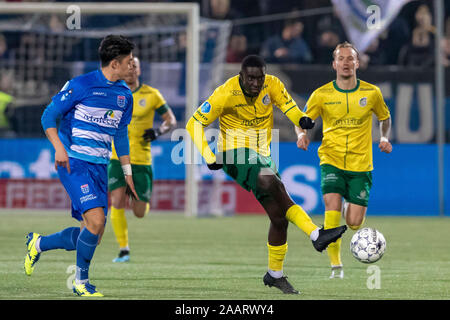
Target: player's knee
96,226
140,209
354,227
356,223
269,183
139,213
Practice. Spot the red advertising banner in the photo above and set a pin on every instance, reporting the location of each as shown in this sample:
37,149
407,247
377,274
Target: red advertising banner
226,197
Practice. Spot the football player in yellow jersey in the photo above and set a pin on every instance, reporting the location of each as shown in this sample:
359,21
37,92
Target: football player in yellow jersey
346,106
147,100
244,107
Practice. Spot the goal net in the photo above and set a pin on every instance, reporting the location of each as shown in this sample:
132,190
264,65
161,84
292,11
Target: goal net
181,54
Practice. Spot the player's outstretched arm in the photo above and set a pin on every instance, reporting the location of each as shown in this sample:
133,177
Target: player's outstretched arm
385,127
197,134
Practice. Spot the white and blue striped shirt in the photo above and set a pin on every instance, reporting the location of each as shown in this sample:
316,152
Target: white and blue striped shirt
93,111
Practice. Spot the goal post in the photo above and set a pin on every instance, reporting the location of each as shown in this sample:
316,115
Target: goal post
193,58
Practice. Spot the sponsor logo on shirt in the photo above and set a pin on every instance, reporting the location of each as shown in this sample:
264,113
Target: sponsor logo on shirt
362,195
108,113
121,101
108,119
206,107
101,116
88,197
202,116
66,95
348,122
363,102
254,122
241,105
85,188
98,93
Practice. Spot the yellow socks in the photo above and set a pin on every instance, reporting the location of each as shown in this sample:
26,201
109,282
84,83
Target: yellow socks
120,227
301,219
276,259
332,219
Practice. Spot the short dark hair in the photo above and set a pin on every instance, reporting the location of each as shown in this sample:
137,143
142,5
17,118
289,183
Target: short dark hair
253,60
114,47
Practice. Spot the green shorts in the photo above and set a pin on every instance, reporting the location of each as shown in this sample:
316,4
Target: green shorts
142,179
353,186
244,165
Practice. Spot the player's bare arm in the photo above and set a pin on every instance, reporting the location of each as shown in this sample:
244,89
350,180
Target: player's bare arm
169,121
385,128
126,166
61,157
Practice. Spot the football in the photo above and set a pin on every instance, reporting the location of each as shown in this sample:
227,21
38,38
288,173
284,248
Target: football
368,245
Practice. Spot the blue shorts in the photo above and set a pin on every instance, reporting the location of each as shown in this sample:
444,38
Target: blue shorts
87,186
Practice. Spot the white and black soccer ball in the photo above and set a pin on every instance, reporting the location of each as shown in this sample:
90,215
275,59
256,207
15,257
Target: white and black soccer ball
368,245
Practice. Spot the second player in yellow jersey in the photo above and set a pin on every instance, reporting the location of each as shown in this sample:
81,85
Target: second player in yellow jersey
347,123
147,102
346,106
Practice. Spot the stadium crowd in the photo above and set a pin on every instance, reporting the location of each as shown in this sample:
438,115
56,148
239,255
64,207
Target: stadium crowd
409,40
288,31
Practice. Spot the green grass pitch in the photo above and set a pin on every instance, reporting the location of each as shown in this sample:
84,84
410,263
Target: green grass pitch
179,258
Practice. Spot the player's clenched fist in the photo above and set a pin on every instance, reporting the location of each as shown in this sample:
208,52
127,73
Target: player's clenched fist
385,146
302,141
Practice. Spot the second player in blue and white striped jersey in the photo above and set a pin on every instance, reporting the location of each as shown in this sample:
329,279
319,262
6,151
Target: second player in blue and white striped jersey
92,110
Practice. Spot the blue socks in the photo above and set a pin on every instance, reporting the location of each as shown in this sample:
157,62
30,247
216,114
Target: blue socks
65,239
86,244
72,239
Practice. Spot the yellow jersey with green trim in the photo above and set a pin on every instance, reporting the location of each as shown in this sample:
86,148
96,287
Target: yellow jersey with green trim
347,123
146,100
247,122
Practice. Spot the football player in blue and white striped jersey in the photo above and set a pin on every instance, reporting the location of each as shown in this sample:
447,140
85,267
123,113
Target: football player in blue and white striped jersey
94,109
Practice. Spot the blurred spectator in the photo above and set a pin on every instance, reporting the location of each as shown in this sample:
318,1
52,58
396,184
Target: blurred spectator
237,48
420,51
393,39
5,110
423,18
287,47
331,22
326,43
376,55
181,47
56,24
4,52
446,51
445,45
221,10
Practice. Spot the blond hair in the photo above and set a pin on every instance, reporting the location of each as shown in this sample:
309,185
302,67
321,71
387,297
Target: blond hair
345,45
